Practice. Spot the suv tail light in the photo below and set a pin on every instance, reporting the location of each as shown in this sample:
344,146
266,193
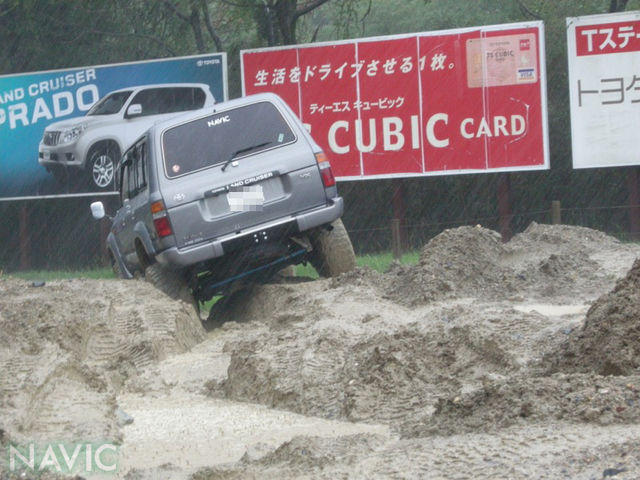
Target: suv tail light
160,219
328,180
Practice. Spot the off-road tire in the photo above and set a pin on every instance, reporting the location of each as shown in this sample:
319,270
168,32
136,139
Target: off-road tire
170,282
332,251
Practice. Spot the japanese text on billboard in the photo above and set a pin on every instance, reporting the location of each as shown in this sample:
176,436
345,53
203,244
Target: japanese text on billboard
604,87
423,104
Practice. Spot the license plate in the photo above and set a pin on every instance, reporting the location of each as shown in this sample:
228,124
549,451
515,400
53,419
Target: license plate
46,155
246,199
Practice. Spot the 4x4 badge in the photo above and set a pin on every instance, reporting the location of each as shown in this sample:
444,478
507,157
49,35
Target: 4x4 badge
178,197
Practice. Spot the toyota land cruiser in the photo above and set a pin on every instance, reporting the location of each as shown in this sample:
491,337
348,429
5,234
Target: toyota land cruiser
230,192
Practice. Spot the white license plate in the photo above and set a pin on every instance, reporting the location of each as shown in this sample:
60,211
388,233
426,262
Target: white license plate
246,199
46,155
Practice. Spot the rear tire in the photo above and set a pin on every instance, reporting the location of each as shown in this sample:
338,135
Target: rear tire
169,282
332,251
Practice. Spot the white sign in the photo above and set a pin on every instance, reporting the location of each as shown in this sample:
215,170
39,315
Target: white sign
604,86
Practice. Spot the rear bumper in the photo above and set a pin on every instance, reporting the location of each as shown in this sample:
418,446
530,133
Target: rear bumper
218,247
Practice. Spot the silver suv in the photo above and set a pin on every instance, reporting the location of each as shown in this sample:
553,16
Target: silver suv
91,145
237,191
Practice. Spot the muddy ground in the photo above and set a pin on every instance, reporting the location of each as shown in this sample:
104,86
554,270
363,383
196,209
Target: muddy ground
484,360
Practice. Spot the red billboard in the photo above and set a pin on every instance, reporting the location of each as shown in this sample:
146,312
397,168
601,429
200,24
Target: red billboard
456,101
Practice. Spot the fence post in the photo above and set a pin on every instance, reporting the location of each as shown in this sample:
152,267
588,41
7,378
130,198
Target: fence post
504,206
556,217
396,241
634,203
24,236
400,214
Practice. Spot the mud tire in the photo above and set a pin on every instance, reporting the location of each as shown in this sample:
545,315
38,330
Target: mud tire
170,282
332,251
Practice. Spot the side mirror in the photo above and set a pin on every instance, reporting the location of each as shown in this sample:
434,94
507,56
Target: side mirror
97,210
134,110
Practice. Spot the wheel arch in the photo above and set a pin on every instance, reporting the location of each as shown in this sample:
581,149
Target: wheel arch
102,143
114,253
145,250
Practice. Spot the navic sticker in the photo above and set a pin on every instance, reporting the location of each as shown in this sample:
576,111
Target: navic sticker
218,121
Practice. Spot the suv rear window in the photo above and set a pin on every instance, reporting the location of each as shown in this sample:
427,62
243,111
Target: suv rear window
216,139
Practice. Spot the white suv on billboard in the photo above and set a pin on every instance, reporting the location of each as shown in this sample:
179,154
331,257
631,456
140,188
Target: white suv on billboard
92,145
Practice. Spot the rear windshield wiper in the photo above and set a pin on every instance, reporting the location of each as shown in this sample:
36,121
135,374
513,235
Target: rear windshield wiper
241,151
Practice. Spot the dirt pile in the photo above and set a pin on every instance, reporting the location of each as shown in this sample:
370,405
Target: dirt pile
451,369
541,452
479,359
550,262
561,262
609,341
302,457
445,352
459,260
68,346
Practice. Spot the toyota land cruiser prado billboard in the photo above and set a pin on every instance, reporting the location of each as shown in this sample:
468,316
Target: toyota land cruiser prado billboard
62,132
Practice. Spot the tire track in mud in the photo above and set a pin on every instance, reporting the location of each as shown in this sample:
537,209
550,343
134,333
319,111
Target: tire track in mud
477,359
447,365
65,354
544,452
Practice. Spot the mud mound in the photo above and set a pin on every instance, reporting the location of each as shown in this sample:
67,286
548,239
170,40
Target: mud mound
541,452
302,457
68,346
463,260
373,370
274,304
609,341
543,240
559,261
550,262
502,401
291,300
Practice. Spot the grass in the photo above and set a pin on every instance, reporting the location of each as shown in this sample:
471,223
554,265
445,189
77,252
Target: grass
48,275
379,262
382,261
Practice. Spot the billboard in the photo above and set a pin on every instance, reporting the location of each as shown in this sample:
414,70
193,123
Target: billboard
53,144
456,101
604,89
